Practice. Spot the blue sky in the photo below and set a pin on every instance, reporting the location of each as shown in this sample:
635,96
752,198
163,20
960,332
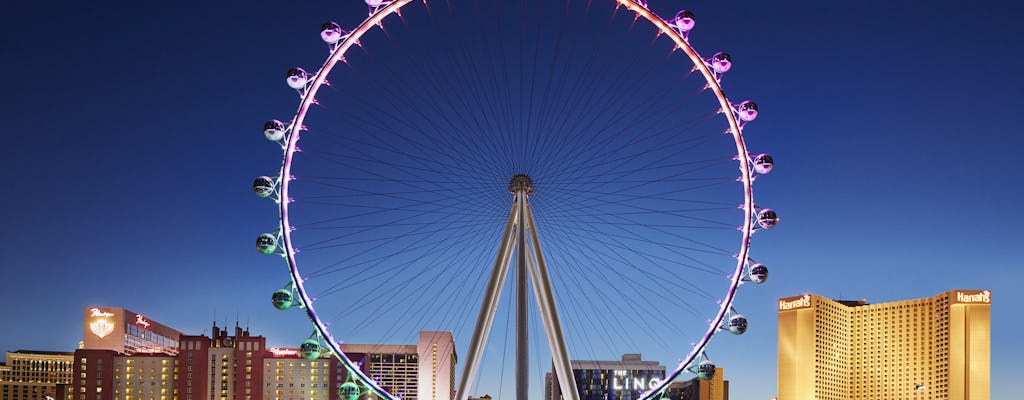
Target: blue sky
135,135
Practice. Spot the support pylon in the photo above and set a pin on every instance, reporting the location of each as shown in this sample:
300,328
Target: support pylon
529,262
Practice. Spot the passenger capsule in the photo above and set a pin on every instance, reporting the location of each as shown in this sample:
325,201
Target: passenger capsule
282,299
684,21
331,32
763,164
721,62
747,111
297,78
374,3
737,324
273,130
758,273
705,370
310,349
263,186
767,218
266,243
348,391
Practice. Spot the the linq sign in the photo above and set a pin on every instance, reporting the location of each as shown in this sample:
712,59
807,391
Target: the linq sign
621,381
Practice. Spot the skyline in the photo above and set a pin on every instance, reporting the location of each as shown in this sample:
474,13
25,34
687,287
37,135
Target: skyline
133,176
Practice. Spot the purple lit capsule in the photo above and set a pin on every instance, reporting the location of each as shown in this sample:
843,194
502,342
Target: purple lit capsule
297,78
747,110
684,21
767,218
331,32
721,62
758,273
273,130
763,164
374,3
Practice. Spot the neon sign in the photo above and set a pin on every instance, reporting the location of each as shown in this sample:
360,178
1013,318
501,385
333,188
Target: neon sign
95,312
140,321
101,327
283,352
101,324
802,302
984,297
622,382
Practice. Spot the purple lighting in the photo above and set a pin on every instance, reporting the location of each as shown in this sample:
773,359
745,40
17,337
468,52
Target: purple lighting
684,21
721,62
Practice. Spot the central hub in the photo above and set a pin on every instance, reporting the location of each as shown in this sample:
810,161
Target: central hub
520,183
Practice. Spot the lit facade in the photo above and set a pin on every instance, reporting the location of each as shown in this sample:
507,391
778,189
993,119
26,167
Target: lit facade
394,366
289,376
931,348
32,375
625,379
126,332
221,367
126,356
421,371
436,353
144,377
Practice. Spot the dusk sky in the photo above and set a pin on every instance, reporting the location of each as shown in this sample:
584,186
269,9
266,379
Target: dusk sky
135,136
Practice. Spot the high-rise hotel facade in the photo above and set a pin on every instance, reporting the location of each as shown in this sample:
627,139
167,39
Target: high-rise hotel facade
127,356
32,375
930,348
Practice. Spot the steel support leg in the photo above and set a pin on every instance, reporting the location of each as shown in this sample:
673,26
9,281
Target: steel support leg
489,306
522,305
549,311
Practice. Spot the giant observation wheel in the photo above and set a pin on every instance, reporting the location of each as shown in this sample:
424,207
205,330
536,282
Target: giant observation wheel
391,211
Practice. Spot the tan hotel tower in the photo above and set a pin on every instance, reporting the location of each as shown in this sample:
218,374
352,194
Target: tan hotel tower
931,348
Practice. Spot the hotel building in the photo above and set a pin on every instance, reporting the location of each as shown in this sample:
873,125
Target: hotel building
126,332
32,375
126,356
144,376
220,367
931,348
625,379
421,371
289,376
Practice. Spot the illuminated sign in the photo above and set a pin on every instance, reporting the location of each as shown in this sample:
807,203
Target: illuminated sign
282,352
95,312
101,327
101,324
984,296
140,321
620,381
801,302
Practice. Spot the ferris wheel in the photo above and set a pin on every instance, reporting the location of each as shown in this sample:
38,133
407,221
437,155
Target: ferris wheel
424,180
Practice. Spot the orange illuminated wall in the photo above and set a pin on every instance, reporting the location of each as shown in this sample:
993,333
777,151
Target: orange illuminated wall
839,350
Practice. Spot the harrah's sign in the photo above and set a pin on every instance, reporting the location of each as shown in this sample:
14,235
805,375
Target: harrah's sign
984,296
795,303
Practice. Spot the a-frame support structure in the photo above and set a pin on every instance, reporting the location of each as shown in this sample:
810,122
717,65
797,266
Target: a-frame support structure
521,236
